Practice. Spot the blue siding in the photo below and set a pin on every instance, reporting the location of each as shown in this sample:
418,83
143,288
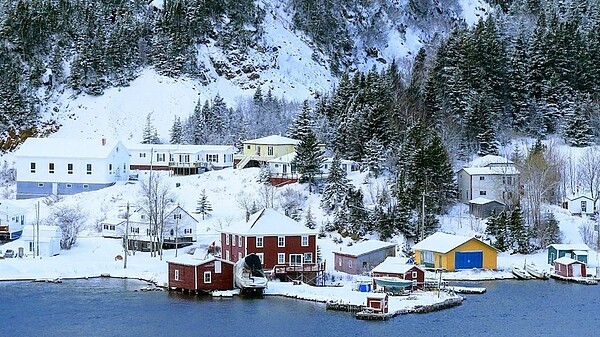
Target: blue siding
468,260
29,189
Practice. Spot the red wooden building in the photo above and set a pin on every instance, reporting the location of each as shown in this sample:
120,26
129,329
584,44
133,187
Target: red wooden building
193,274
287,249
397,267
378,302
568,267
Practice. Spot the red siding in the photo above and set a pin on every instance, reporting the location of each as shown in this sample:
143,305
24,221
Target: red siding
234,250
346,263
420,279
378,304
187,276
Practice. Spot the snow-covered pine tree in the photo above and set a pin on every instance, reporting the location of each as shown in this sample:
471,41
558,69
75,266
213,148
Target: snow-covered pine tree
308,159
203,206
373,159
149,134
577,131
302,123
177,131
519,234
309,219
336,187
264,174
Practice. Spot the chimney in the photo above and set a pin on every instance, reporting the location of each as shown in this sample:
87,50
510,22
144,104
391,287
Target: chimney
247,216
103,141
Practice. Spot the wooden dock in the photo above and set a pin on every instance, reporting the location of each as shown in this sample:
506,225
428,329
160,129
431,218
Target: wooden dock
337,306
466,290
580,280
368,314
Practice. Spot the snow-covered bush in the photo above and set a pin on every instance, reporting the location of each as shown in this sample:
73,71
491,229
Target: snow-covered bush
70,219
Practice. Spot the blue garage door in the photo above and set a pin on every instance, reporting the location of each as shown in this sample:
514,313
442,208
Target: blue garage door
468,260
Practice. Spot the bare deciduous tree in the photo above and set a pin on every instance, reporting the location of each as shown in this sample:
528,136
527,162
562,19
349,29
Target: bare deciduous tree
588,171
292,201
70,219
246,202
156,197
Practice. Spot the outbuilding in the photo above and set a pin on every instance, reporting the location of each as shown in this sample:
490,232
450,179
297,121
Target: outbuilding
47,239
482,207
362,257
452,252
200,273
578,251
568,267
378,302
579,204
397,267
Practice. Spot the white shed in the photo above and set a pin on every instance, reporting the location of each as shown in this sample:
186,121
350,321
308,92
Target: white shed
579,204
49,240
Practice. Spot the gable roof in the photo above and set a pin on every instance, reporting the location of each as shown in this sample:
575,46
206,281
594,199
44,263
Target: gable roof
273,140
269,222
196,259
443,242
567,260
490,159
483,201
65,148
570,246
579,196
480,171
395,265
365,247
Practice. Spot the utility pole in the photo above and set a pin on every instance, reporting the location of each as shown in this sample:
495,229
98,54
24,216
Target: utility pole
126,238
422,216
177,217
37,235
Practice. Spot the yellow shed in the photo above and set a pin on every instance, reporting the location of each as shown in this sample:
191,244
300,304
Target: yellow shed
453,252
263,149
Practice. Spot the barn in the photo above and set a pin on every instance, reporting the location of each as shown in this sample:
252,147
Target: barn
362,257
197,274
568,267
397,267
453,252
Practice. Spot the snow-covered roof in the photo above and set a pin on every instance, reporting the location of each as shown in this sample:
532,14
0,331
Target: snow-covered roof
65,148
570,246
580,252
10,209
269,222
273,140
579,196
490,159
482,201
379,296
442,242
198,258
394,265
365,247
480,171
567,260
179,148
113,221
47,233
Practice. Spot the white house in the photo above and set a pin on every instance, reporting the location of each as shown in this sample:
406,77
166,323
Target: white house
579,204
282,166
58,166
179,227
12,221
497,180
49,240
179,158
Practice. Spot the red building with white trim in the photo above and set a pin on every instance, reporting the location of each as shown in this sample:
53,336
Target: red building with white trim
287,249
397,267
190,273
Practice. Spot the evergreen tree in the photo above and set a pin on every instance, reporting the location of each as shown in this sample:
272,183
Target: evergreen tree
302,124
518,233
548,231
177,131
203,206
264,174
373,160
308,159
578,131
149,134
309,220
336,187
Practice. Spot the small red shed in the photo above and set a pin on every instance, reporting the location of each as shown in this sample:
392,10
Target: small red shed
193,274
568,267
378,302
397,267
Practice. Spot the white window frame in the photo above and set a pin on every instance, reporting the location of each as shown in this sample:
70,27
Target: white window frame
308,258
32,167
176,274
240,241
293,256
261,256
227,255
260,242
233,238
51,168
227,239
88,169
340,260
304,241
270,150
482,192
414,275
350,264
280,258
281,241
207,277
69,168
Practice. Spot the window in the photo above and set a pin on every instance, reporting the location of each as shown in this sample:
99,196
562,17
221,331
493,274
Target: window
259,242
481,178
240,241
269,150
281,241
31,246
248,147
109,168
280,258
212,158
142,155
482,192
227,255
507,180
295,259
69,168
135,230
308,258
233,237
414,275
69,185
427,256
88,168
187,231
32,167
86,186
40,184
227,239
51,168
160,157
349,264
340,262
261,256
207,277
583,206
304,240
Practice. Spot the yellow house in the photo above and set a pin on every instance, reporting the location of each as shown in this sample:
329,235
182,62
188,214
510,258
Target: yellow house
452,252
261,150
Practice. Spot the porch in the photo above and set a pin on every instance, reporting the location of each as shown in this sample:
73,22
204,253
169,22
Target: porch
306,272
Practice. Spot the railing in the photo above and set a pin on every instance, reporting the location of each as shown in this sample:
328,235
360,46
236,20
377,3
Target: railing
305,267
195,164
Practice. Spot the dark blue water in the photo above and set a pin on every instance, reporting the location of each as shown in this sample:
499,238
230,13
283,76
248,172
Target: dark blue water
104,307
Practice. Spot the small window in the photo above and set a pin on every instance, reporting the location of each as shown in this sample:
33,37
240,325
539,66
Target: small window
40,184
233,237
86,186
340,262
482,192
414,275
227,239
281,241
269,150
240,241
110,167
481,178
51,168
350,264
261,256
304,240
227,255
88,168
69,185
248,147
32,167
259,242
176,274
308,258
142,155
212,158
280,258
69,168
